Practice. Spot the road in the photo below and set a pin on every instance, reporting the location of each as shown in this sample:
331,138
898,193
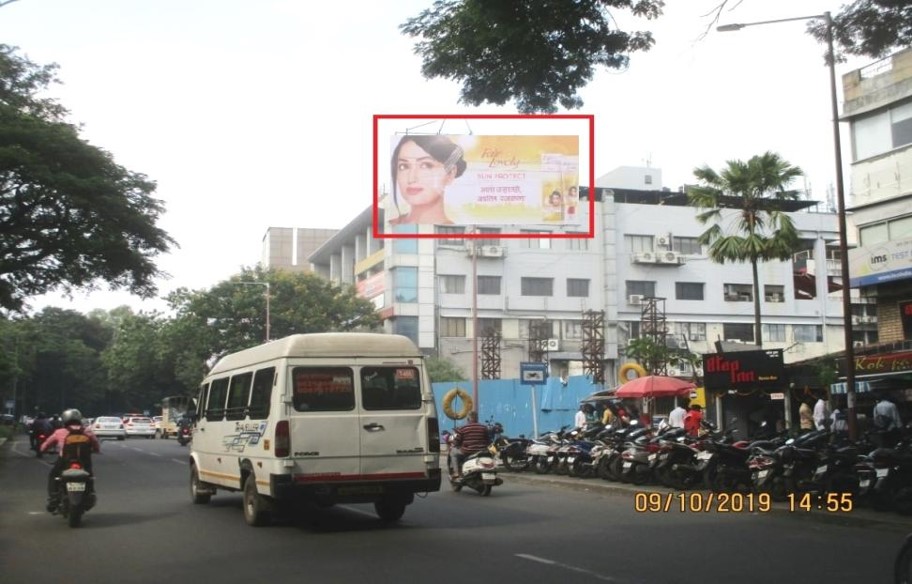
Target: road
145,529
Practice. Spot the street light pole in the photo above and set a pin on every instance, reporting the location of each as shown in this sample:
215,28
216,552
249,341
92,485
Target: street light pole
841,212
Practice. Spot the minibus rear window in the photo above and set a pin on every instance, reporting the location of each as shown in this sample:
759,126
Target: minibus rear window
390,388
323,389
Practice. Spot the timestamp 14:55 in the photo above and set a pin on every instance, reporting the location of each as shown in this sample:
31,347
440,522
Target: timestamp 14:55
828,502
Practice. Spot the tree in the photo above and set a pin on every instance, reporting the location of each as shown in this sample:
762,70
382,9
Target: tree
540,53
537,52
751,195
70,216
231,315
440,369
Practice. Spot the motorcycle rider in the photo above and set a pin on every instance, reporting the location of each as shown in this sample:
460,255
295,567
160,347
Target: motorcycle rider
40,426
470,438
76,444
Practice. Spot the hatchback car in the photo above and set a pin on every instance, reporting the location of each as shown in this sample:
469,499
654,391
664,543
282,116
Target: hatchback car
108,427
136,426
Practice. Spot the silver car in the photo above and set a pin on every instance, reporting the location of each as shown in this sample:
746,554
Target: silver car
140,426
108,427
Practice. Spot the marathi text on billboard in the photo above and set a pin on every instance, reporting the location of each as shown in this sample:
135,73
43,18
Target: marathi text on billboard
743,370
484,180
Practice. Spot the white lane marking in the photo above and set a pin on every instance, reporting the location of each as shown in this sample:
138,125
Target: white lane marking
566,567
153,453
179,461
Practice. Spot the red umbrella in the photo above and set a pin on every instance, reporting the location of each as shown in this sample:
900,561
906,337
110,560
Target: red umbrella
655,386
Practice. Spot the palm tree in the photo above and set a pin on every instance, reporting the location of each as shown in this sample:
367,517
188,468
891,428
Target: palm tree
759,229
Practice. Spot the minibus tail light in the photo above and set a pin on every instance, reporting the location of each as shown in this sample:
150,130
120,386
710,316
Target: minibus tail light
433,435
282,439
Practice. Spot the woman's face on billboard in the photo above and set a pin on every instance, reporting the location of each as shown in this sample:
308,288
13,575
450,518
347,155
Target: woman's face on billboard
420,177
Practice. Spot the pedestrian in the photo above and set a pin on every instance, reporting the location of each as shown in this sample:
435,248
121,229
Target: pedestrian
584,416
693,420
676,417
887,421
821,413
805,416
839,425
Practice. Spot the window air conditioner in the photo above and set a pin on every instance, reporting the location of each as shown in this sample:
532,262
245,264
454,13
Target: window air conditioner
552,345
644,257
858,344
663,240
491,251
670,257
635,299
673,372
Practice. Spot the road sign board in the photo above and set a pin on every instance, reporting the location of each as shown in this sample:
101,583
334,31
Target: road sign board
533,373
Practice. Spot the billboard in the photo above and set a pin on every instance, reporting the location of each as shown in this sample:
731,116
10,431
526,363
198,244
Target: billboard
743,370
884,262
484,180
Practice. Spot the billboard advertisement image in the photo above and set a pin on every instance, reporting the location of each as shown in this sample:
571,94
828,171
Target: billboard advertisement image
484,180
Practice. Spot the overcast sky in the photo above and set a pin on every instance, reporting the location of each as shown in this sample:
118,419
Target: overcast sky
258,114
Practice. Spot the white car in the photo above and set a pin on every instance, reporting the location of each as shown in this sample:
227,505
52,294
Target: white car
140,426
108,427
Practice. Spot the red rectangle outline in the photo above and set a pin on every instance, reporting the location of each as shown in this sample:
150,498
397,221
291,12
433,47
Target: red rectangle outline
376,206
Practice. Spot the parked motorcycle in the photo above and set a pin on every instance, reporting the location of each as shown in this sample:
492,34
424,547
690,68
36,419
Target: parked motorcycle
75,493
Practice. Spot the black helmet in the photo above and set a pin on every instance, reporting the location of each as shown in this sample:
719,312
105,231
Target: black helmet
72,416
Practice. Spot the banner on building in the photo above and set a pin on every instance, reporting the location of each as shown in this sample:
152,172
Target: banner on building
885,262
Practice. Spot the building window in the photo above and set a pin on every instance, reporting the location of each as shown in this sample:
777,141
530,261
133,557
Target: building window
546,327
573,329
808,333
489,231
641,287
738,292
405,284
452,284
687,245
637,243
581,244
452,327
882,131
537,286
689,290
773,332
406,326
694,331
577,288
535,242
487,324
451,230
732,331
489,285
409,245
774,293
890,230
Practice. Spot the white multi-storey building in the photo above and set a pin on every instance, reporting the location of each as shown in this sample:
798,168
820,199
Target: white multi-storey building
644,246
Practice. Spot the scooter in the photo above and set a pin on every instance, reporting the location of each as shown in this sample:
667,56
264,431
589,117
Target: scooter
75,493
479,472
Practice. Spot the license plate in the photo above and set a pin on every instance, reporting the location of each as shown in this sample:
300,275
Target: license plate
488,476
704,455
627,464
76,486
360,490
864,483
882,472
821,469
652,457
663,456
762,473
571,459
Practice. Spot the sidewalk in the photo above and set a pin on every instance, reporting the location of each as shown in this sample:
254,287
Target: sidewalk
857,517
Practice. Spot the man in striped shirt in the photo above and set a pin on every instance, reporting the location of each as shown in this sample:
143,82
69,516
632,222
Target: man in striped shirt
470,438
